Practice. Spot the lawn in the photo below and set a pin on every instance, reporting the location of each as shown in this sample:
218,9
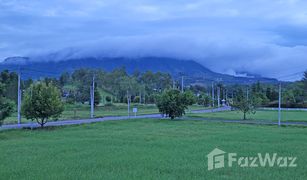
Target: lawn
82,111
260,115
147,149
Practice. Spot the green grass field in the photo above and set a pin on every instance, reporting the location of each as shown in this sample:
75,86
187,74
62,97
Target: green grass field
82,111
267,115
147,149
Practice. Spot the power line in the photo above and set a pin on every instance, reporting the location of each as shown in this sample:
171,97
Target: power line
40,71
291,75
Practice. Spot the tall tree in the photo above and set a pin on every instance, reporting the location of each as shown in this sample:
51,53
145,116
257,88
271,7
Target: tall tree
64,78
42,101
304,80
97,96
6,105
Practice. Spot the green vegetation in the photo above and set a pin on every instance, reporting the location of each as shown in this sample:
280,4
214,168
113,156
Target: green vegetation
113,88
6,105
82,111
244,103
147,149
117,83
267,115
42,101
173,103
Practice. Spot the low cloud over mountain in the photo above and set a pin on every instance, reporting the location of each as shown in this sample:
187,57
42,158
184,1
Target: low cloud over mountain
225,36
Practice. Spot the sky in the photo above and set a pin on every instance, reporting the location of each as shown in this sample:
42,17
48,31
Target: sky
228,36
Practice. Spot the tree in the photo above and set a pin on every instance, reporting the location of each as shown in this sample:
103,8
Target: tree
204,100
189,98
9,81
108,99
244,104
6,105
173,103
304,80
97,96
64,78
41,102
136,99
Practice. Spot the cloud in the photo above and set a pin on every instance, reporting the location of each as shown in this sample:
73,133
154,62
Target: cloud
256,36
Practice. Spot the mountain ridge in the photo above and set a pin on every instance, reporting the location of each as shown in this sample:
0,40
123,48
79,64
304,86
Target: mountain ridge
192,70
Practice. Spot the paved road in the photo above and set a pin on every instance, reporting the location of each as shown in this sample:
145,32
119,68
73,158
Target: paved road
284,109
226,108
113,118
149,116
74,122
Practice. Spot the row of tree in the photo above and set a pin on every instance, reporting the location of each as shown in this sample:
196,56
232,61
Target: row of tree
43,99
140,86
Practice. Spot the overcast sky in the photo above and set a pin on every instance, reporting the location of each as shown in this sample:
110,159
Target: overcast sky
267,37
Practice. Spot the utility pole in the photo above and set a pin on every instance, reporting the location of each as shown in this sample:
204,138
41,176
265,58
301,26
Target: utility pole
182,84
144,96
218,96
212,95
19,98
92,97
128,101
140,97
279,106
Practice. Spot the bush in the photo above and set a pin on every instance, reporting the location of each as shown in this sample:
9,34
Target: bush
136,99
6,108
173,103
108,99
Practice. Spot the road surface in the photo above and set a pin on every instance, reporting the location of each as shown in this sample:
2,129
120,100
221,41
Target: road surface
149,116
111,118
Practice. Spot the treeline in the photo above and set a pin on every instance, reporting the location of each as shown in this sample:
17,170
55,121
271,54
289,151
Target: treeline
294,95
117,85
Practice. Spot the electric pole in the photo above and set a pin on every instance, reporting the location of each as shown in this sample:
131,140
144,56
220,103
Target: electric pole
212,95
140,97
128,101
19,98
279,105
92,97
218,96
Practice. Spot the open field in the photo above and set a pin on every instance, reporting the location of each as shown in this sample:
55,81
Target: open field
147,149
82,111
260,115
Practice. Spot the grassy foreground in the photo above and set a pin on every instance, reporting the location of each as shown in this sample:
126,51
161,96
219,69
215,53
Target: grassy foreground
147,149
260,115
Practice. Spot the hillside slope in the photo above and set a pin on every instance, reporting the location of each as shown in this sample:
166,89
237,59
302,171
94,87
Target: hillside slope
193,71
